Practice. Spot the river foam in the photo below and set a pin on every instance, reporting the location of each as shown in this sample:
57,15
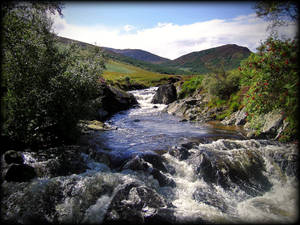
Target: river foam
221,181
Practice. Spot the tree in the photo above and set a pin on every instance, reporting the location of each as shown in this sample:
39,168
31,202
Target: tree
279,13
45,86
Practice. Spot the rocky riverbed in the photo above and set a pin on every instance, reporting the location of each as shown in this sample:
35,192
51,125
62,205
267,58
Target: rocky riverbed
146,166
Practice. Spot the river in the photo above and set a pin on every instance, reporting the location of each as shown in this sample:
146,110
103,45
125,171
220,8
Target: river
148,128
217,176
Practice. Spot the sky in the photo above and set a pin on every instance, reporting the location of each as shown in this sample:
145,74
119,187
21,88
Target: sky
166,29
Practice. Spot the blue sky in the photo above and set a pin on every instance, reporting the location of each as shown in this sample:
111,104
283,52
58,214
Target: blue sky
146,15
166,29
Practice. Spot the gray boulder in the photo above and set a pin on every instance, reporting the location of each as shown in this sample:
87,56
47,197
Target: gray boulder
165,94
132,204
273,121
143,164
237,118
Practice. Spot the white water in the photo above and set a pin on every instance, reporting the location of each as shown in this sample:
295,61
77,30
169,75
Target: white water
87,196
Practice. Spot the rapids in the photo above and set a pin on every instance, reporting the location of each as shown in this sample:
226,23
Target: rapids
217,176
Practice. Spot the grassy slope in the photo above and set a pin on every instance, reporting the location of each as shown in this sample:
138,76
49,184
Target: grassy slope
118,72
199,62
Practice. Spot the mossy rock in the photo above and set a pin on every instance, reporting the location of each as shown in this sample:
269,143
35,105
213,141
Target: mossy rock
93,125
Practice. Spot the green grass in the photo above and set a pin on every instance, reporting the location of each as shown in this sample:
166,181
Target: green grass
119,68
118,72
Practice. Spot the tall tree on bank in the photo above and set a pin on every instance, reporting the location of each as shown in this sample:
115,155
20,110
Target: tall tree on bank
279,13
45,88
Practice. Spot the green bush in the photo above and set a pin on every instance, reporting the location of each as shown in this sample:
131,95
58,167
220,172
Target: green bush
190,86
272,80
222,83
46,87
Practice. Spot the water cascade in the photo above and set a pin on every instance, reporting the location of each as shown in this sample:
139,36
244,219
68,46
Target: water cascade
163,170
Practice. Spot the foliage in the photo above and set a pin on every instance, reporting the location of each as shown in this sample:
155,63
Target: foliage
45,87
278,12
190,86
222,83
272,80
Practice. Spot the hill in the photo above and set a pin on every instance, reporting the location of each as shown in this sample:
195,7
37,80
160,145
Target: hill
122,71
200,62
114,55
140,55
128,77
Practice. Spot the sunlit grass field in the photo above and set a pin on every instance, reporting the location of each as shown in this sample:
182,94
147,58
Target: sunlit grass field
118,72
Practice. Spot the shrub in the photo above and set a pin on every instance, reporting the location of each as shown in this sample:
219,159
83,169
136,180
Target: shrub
271,75
46,86
190,86
222,84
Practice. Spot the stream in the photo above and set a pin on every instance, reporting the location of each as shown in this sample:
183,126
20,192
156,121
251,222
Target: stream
148,129
165,170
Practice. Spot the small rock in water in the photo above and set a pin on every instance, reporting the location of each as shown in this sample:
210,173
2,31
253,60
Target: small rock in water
20,173
13,156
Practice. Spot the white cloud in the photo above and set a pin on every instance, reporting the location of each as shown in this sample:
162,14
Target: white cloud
172,40
128,27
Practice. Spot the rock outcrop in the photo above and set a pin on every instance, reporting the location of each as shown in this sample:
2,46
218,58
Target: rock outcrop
237,118
194,108
165,94
52,162
110,101
133,204
14,169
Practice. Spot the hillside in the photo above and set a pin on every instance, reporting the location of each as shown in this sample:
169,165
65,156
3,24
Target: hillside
123,71
129,77
139,55
229,55
199,62
113,54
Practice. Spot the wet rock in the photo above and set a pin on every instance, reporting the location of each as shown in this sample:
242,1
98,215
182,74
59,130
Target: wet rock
272,126
13,156
237,118
156,161
208,197
180,153
193,108
60,161
273,120
161,216
162,179
286,159
113,100
94,125
29,202
132,204
19,173
116,100
138,163
165,94
242,168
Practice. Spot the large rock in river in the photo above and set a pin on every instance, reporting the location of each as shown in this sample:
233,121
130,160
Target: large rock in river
165,94
111,100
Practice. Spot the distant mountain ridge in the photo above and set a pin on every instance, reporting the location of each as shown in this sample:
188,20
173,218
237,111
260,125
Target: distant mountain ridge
199,62
229,56
140,55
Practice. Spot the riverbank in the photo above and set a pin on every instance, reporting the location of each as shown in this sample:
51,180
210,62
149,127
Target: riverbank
198,107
